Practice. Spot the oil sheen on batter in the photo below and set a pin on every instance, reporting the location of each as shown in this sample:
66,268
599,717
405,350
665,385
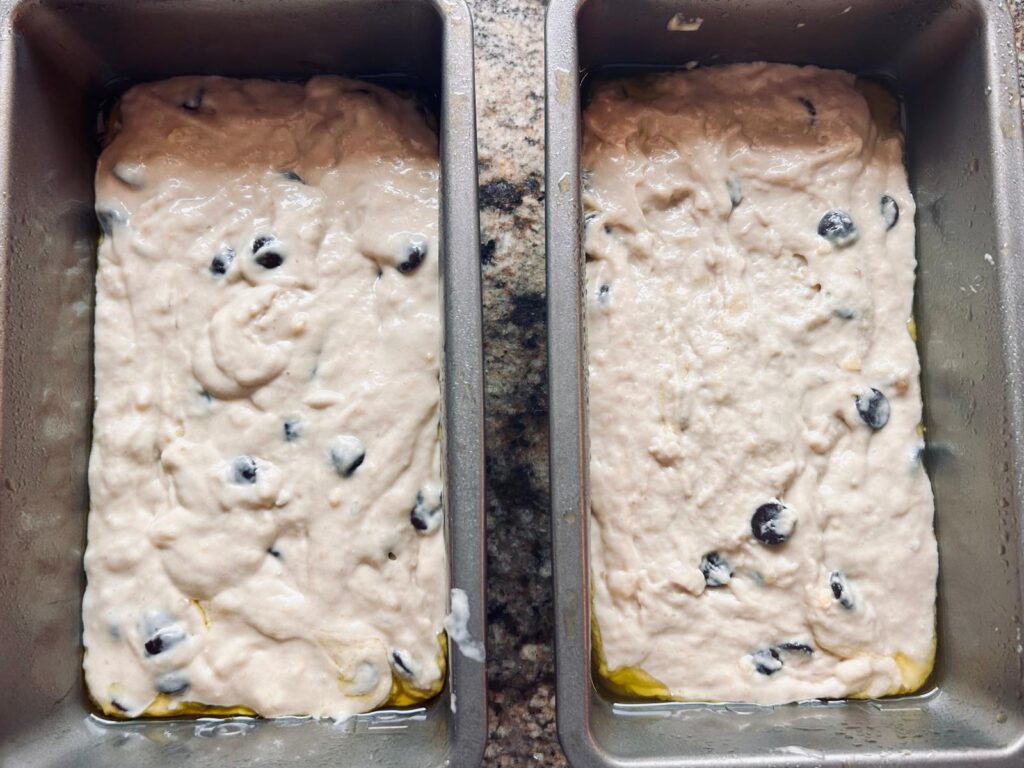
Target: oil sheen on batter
266,498
761,519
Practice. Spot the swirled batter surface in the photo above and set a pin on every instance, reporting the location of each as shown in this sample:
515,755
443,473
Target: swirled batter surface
761,520
264,532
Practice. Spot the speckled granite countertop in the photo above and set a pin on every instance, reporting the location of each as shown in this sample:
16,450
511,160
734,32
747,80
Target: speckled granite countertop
510,125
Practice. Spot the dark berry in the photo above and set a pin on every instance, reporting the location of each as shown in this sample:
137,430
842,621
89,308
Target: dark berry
195,101
716,570
427,513
841,590
838,228
874,408
401,663
261,241
118,705
413,258
812,111
845,313
767,661
171,683
603,292
346,453
773,523
243,470
292,430
269,259
796,648
129,175
108,218
735,191
161,633
292,176
890,211
221,263
274,552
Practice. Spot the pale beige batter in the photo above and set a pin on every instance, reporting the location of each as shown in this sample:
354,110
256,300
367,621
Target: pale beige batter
265,479
761,520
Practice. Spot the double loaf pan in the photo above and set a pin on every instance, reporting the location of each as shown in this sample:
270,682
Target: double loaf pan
60,61
952,64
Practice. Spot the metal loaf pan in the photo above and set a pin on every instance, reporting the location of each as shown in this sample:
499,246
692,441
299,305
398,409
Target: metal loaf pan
952,63
59,61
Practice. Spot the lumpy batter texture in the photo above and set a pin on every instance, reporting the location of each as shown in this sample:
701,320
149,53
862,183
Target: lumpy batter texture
761,520
266,497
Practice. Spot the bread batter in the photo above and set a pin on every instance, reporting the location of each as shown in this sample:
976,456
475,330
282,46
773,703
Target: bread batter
266,495
761,519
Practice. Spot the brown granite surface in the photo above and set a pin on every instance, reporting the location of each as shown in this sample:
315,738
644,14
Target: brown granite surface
510,123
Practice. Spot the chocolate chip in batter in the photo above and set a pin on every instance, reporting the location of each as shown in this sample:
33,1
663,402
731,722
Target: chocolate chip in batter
890,211
841,590
414,256
735,191
118,705
773,523
427,514
269,259
812,111
195,101
874,408
402,664
109,218
243,470
767,661
262,241
716,569
221,263
129,174
838,228
172,683
292,429
161,632
794,647
346,453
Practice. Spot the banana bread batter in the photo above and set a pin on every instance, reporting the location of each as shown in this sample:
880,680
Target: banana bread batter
761,519
266,495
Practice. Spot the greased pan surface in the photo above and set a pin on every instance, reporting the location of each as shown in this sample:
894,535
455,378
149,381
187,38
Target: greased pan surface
59,62
952,64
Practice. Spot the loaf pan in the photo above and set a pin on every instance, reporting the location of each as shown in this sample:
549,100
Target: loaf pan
952,63
60,61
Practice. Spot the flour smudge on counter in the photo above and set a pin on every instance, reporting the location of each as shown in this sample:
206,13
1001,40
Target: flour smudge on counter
758,534
271,248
